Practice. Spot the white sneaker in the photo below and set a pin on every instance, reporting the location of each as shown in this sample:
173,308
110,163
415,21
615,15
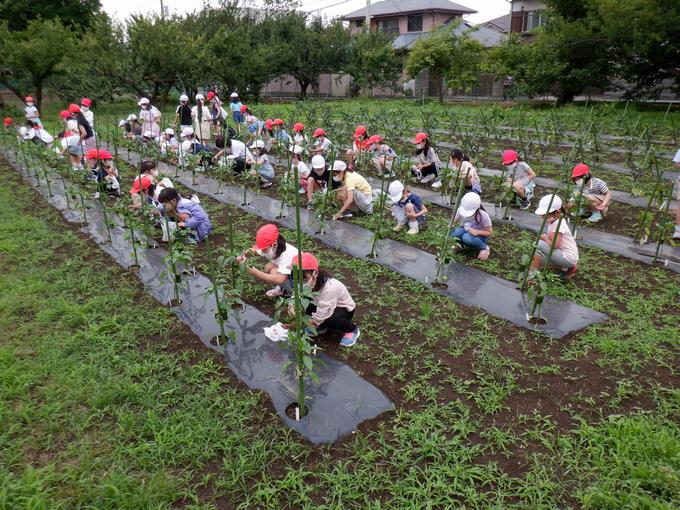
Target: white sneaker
275,292
437,184
676,232
96,194
398,228
427,179
413,231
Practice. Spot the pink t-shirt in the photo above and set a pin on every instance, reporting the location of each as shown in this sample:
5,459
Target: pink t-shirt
568,243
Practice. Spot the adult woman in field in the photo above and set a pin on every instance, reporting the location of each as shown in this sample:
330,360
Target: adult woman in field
150,117
202,120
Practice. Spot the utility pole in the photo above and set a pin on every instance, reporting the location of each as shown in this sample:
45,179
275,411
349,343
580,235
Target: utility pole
368,16
162,10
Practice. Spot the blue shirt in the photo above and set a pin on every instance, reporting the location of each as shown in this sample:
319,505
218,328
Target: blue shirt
235,107
198,221
417,205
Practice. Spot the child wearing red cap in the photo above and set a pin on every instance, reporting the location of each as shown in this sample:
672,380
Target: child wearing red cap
85,104
31,111
382,155
426,168
321,144
596,194
101,164
333,306
359,139
299,136
522,177
271,245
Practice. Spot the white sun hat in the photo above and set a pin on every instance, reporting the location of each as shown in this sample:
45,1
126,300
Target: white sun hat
395,190
545,205
339,166
258,144
169,131
187,131
318,162
143,100
199,97
295,149
469,204
233,94
184,97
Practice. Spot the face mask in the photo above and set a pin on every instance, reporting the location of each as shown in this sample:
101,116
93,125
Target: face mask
419,146
268,253
319,171
85,108
29,104
154,173
337,178
511,166
578,183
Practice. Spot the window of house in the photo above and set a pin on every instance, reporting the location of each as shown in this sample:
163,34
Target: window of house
389,25
359,23
415,23
532,20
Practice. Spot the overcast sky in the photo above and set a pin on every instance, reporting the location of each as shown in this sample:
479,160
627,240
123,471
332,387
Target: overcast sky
487,9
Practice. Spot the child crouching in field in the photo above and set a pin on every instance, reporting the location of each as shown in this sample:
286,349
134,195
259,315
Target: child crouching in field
101,164
565,255
407,208
186,213
333,306
475,226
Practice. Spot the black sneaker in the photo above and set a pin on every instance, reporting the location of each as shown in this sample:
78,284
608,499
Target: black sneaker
310,206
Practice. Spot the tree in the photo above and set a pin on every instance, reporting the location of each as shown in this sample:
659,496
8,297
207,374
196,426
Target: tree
372,61
32,56
71,13
448,55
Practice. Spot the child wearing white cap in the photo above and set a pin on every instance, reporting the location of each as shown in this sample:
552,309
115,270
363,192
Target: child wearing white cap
262,164
150,117
565,255
407,208
202,120
235,107
302,168
475,226
354,191
183,113
169,143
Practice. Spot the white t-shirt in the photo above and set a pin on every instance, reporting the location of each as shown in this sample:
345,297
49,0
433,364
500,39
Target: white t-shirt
284,263
43,135
303,169
31,112
239,149
521,172
568,244
89,117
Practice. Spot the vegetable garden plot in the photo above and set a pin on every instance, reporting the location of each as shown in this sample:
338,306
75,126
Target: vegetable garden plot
338,404
466,285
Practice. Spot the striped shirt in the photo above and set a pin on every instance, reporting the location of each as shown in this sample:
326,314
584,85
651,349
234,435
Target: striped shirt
596,187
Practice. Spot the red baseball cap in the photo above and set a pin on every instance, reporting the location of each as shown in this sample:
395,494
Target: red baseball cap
269,123
86,102
266,236
244,107
211,95
298,126
98,154
373,139
309,261
318,132
29,99
65,114
146,184
278,122
420,137
73,108
7,121
360,130
580,170
509,156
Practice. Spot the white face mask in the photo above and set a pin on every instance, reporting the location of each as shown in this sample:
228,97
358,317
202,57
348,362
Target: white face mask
578,183
511,166
85,108
419,146
268,253
337,178
29,104
154,173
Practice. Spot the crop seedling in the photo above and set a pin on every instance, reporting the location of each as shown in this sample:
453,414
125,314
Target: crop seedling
666,226
180,244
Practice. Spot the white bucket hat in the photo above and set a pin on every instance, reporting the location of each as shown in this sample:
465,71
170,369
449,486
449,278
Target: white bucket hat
257,144
130,117
169,131
318,162
395,190
469,204
143,100
233,94
339,166
295,149
184,97
187,132
199,97
121,123
545,206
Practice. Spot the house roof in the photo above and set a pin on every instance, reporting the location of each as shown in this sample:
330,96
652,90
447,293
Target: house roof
500,24
485,36
392,7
